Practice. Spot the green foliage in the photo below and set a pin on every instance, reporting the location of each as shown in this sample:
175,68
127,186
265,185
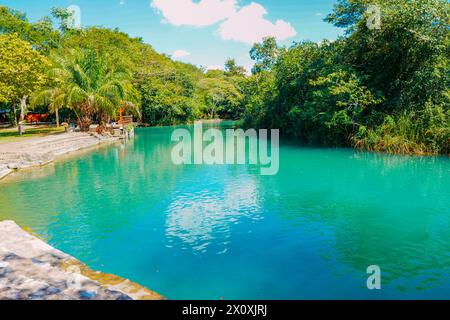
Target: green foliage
22,69
97,71
258,90
221,96
265,54
172,92
233,69
383,90
40,34
403,58
168,98
89,84
118,72
417,132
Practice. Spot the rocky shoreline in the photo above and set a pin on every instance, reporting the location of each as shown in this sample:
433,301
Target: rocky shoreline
43,150
30,269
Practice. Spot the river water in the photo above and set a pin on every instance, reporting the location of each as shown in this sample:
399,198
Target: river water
226,231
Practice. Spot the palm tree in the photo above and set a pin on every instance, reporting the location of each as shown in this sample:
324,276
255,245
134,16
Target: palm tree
88,84
54,94
55,98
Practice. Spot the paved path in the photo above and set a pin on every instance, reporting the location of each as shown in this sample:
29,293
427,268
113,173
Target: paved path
42,150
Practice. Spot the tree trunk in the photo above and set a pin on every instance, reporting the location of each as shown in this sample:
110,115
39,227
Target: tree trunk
23,106
85,117
104,118
85,123
15,115
57,117
213,110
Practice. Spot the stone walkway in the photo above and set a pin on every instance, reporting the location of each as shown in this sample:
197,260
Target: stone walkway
39,151
30,269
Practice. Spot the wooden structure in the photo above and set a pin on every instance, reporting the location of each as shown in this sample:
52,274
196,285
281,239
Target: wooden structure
125,120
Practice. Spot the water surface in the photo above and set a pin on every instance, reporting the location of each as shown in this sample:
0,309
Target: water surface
211,232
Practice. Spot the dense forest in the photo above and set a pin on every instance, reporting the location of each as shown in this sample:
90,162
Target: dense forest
91,73
381,89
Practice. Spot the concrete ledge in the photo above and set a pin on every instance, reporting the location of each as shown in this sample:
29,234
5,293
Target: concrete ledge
30,269
4,171
40,151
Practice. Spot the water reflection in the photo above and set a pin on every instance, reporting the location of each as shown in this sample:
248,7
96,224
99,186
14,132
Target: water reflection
199,218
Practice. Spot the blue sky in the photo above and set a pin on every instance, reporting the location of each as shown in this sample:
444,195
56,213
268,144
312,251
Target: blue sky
205,32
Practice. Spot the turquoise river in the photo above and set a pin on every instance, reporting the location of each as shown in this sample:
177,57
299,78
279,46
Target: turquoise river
225,231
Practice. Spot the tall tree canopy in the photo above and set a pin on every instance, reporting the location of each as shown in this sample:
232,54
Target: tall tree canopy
167,92
383,89
90,84
22,71
40,35
233,69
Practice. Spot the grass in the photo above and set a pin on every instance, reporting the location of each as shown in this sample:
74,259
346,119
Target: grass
12,134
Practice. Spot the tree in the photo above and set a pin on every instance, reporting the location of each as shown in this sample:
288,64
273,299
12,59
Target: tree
168,98
64,16
264,54
22,71
221,97
89,84
232,69
54,94
405,59
169,90
40,35
382,89
55,98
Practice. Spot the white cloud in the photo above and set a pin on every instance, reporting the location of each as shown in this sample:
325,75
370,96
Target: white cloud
246,24
198,14
177,54
249,26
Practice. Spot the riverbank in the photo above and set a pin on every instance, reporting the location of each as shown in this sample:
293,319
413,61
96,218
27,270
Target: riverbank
30,269
38,151
11,134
